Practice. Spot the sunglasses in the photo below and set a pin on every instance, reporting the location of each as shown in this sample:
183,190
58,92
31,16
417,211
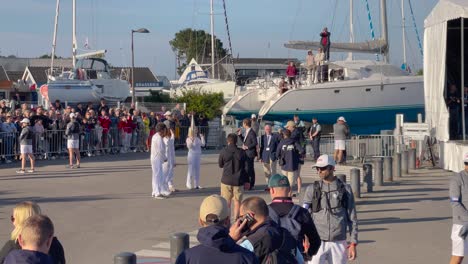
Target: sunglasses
322,168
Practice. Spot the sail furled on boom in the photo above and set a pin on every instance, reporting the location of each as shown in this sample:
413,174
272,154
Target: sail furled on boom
373,46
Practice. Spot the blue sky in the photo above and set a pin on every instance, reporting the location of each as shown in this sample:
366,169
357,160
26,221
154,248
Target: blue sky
27,27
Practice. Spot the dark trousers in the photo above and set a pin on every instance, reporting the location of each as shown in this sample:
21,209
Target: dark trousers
316,147
326,50
250,170
454,119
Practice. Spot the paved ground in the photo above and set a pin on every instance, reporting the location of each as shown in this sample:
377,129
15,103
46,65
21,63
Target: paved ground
105,208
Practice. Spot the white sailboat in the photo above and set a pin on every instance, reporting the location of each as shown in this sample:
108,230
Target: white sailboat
369,96
89,81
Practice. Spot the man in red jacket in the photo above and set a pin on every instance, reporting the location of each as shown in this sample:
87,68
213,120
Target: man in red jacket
105,123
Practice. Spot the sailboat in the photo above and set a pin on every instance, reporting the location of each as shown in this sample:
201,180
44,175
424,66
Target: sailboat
195,78
369,95
90,79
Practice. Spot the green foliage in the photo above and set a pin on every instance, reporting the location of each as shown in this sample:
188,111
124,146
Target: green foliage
194,44
158,97
48,56
204,103
420,72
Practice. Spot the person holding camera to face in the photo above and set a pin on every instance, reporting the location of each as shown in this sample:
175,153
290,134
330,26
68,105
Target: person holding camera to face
269,242
216,245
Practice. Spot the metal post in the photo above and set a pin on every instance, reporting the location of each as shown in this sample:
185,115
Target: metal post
179,243
388,172
367,170
342,177
412,159
404,163
356,182
125,258
397,166
378,172
462,37
133,67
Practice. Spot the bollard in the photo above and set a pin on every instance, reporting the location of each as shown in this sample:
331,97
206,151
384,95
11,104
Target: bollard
378,168
397,166
367,171
125,258
404,163
356,182
388,172
179,243
342,177
412,159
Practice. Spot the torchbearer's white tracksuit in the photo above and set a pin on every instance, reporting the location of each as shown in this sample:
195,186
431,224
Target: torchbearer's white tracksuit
158,156
194,158
168,167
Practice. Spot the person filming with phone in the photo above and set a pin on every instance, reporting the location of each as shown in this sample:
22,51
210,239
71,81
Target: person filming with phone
269,242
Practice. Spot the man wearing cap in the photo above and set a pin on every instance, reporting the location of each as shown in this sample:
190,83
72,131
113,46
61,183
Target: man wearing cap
268,145
459,203
216,245
340,131
25,139
331,203
314,135
73,141
283,209
169,122
250,147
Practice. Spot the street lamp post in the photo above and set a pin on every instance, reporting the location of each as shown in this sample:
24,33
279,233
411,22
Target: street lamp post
141,30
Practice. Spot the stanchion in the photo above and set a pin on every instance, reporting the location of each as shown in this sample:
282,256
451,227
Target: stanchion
356,182
388,172
179,243
367,171
412,159
397,166
125,258
404,163
342,177
378,169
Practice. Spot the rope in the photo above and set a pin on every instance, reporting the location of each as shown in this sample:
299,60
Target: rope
371,25
229,40
415,28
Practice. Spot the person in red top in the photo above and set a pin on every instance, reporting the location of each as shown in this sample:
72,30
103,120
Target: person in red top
125,128
325,42
105,123
291,72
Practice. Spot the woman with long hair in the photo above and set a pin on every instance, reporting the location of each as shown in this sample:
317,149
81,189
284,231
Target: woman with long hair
21,212
194,144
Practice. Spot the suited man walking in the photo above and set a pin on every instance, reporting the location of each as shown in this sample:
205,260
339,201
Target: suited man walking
268,144
250,147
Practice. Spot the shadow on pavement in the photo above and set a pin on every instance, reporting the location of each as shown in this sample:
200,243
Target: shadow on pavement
398,220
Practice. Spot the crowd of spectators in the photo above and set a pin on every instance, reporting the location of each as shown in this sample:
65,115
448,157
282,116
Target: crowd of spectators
103,129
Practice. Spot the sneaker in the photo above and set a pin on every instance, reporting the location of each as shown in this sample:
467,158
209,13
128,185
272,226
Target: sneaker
20,171
30,171
77,166
166,194
198,187
159,197
172,189
89,154
69,166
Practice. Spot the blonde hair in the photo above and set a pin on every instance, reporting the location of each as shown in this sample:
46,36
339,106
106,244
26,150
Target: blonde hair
191,132
21,212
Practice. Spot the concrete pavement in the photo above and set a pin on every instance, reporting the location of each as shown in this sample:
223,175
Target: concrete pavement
105,208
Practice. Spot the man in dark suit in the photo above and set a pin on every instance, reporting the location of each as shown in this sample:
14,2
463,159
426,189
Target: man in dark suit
250,147
268,144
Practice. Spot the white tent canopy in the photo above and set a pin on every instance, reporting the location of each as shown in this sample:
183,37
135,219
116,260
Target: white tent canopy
435,51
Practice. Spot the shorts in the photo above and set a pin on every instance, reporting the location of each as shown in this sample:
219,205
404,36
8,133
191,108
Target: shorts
26,149
340,144
229,192
459,246
73,143
333,251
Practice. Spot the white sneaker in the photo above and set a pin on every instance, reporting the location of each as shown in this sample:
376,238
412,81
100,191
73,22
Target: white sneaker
159,197
172,189
166,194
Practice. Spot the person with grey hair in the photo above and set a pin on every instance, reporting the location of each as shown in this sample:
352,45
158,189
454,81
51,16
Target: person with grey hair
340,131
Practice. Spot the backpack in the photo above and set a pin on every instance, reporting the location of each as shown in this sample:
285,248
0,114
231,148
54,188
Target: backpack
76,128
282,255
317,196
288,221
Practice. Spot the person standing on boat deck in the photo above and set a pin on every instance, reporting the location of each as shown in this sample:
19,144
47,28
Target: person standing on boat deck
291,72
340,131
453,103
314,135
325,42
158,158
194,144
249,145
310,66
319,60
283,87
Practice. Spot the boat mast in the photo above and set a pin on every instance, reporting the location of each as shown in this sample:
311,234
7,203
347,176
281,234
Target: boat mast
351,27
54,40
383,17
212,41
403,19
74,34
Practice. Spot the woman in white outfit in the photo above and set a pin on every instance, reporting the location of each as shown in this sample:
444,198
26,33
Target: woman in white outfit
158,158
168,167
194,144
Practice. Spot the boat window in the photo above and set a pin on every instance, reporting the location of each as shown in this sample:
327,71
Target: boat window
337,91
368,89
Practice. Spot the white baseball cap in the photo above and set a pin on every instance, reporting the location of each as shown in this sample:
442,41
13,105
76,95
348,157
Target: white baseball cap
168,113
25,120
465,157
253,116
324,160
72,115
341,118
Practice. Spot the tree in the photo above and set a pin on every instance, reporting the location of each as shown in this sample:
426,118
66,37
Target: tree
48,56
194,44
158,97
420,72
203,103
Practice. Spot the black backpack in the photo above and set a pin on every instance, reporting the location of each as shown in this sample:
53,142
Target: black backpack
288,221
317,196
283,255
